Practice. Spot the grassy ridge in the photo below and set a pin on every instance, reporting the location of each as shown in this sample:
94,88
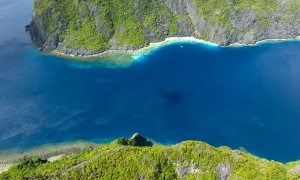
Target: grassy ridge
189,160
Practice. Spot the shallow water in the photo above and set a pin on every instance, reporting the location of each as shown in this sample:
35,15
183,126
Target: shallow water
239,97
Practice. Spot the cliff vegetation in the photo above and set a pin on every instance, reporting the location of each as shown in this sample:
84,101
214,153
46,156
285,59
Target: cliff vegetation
136,158
85,27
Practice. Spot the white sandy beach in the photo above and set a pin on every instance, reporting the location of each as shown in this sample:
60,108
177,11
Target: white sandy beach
130,56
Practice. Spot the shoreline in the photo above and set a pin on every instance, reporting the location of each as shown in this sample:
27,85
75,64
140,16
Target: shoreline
51,152
126,57
5,167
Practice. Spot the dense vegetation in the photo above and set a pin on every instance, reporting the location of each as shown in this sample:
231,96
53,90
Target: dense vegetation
97,24
84,27
90,26
130,159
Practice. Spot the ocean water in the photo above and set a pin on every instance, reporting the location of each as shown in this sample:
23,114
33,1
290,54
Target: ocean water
245,98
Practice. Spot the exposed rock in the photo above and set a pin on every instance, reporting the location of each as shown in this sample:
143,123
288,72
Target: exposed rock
185,28
243,19
55,158
182,171
175,6
295,170
223,171
52,42
141,176
82,16
92,8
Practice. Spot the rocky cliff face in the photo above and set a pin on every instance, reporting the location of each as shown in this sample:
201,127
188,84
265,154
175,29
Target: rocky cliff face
85,27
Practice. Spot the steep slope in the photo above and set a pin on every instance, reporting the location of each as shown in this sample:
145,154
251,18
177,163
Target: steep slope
84,27
127,159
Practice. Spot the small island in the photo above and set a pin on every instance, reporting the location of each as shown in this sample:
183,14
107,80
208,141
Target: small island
90,27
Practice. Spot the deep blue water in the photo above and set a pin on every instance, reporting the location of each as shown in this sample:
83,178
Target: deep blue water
239,97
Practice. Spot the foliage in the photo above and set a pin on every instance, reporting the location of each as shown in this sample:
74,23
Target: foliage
261,7
90,25
97,25
190,159
217,11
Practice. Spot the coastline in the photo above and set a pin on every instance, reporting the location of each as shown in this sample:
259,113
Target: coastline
51,152
5,167
130,56
126,57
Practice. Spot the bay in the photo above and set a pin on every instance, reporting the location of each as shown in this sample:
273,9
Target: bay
247,98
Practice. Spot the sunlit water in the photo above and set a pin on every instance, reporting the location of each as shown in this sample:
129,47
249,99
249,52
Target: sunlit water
239,97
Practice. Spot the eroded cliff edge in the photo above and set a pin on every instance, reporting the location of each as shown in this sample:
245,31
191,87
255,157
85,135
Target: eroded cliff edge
86,27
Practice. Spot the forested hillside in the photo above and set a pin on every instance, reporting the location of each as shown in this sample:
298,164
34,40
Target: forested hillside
85,27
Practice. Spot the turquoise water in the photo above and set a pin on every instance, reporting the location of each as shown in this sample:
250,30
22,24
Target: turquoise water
239,97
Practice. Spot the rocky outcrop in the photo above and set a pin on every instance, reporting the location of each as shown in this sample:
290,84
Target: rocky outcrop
135,140
223,171
138,140
295,170
87,27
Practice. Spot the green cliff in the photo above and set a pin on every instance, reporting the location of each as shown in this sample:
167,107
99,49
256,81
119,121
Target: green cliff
136,159
85,27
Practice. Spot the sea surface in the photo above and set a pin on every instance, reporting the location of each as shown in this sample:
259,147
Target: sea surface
247,98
